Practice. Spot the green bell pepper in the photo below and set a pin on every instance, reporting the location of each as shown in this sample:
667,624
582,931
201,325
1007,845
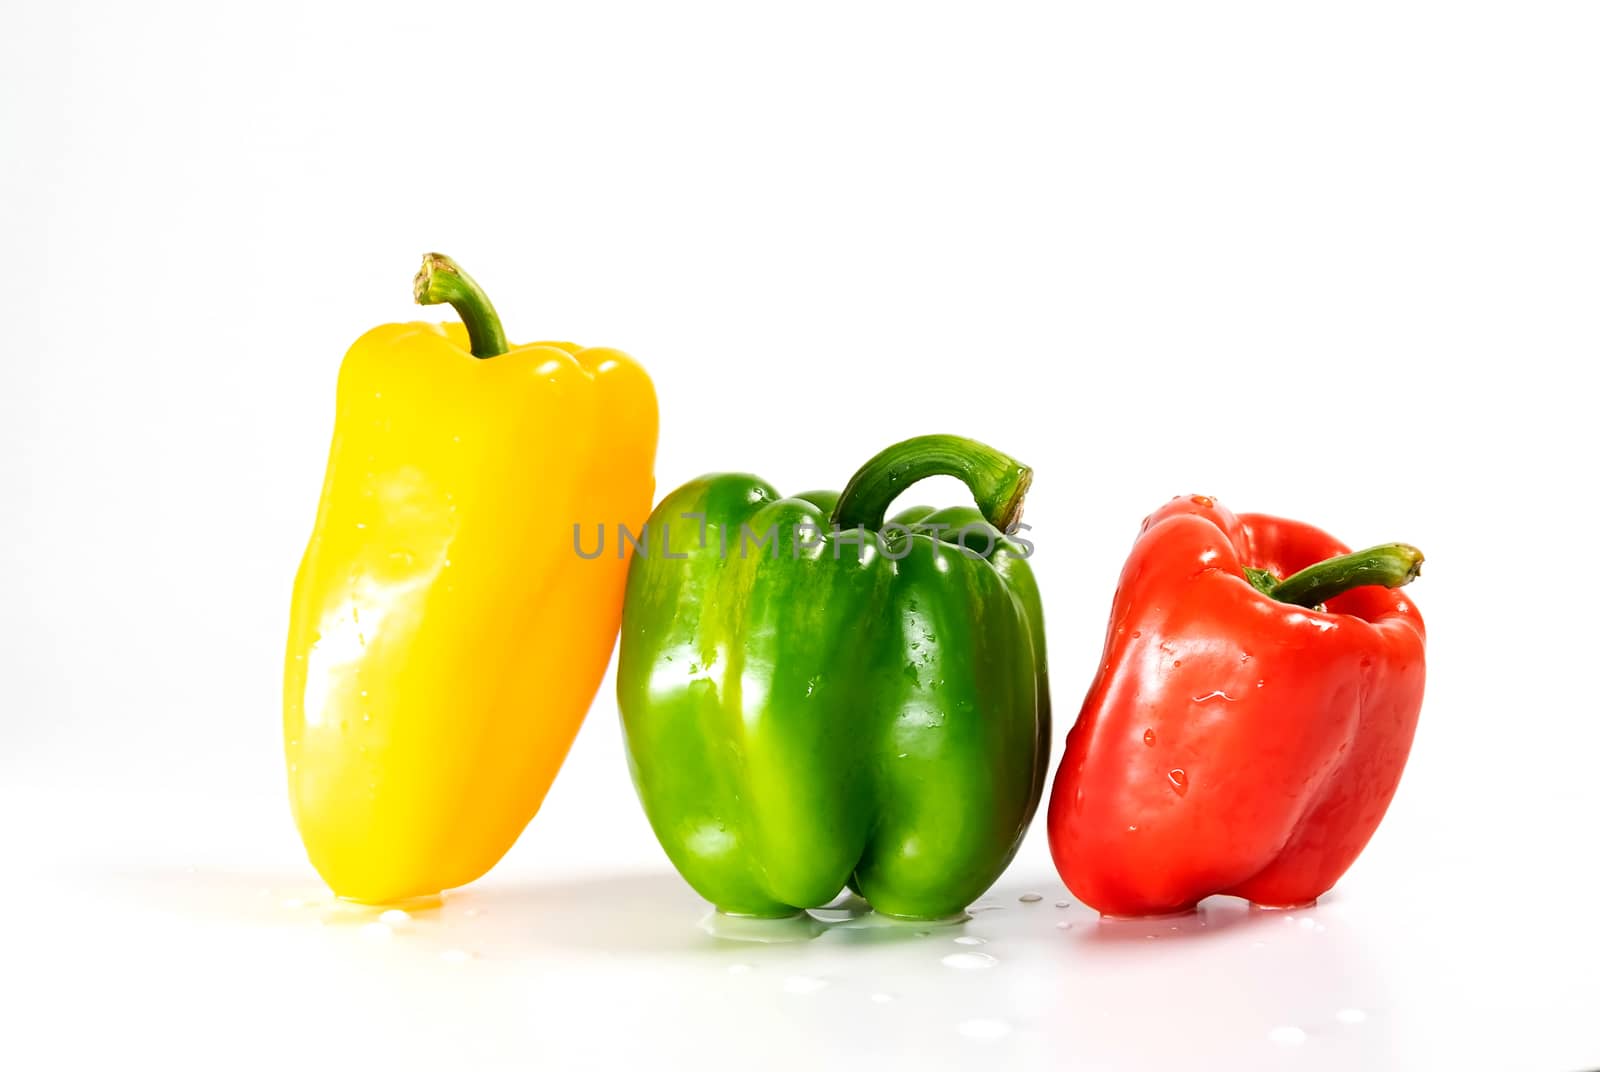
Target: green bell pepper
814,698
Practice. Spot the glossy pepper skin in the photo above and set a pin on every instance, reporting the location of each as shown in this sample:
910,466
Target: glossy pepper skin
1231,742
445,641
867,707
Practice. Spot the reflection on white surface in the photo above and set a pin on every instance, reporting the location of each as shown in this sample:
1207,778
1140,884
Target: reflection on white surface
377,931
1023,978
587,967
1287,1036
983,1029
799,927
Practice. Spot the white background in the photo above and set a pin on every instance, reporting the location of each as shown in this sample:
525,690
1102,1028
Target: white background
1336,263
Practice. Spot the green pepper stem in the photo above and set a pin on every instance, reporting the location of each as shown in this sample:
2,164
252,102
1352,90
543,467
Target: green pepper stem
441,280
1392,565
998,482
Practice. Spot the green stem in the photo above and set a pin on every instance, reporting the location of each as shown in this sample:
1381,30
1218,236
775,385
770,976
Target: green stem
1392,565
441,280
998,482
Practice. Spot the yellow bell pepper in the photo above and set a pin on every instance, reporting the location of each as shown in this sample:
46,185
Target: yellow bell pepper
446,638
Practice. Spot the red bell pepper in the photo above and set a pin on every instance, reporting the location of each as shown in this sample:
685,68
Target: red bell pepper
1239,738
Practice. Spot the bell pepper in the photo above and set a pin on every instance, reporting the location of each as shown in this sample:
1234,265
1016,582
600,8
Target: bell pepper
813,697
444,640
1250,719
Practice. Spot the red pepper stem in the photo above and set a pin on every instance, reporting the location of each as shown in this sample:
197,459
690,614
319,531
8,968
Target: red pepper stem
441,280
998,482
1392,565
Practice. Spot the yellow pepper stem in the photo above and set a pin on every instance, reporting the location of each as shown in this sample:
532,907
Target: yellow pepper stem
441,280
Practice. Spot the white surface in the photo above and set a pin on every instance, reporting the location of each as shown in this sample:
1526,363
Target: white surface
190,932
1338,265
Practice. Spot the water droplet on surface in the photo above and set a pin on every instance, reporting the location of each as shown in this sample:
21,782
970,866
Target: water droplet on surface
1307,923
1061,904
1149,737
969,961
803,984
1287,1036
1350,1016
395,917
1063,926
377,931
1030,898
1261,684
1179,780
970,939
1214,694
455,956
1136,634
1177,663
984,1028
